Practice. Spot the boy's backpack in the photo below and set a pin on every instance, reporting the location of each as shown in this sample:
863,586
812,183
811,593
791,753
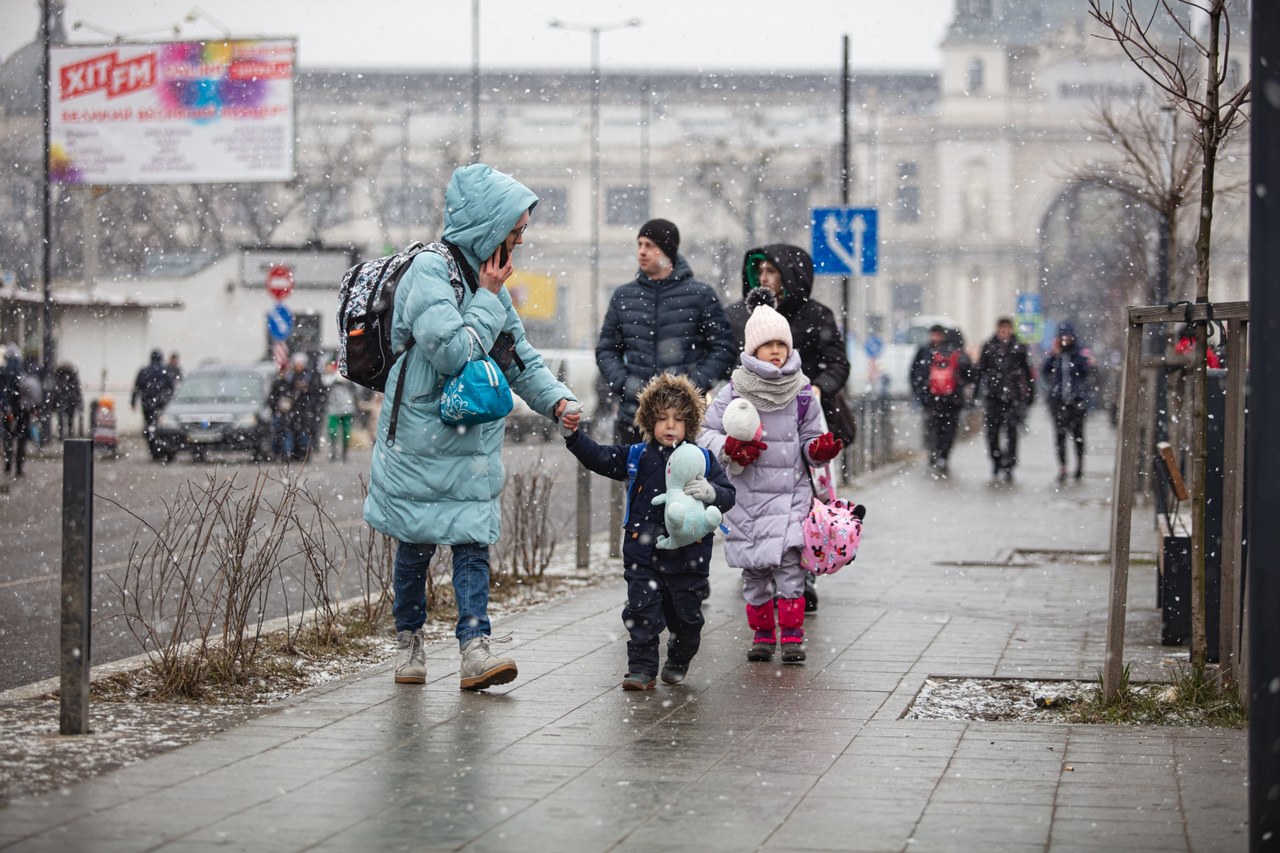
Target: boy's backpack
366,300
944,373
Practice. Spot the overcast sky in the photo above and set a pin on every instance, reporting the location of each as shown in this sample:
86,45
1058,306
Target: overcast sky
684,34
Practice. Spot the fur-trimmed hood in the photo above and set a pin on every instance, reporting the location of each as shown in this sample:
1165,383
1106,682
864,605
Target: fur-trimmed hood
670,391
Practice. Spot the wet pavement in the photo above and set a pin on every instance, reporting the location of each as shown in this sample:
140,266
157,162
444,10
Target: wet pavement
957,577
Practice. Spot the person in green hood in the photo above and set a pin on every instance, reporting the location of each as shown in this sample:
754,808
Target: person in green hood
439,484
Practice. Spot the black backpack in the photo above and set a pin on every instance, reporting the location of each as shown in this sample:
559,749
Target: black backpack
366,300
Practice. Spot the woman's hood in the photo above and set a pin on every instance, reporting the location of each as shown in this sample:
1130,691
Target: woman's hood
482,206
792,262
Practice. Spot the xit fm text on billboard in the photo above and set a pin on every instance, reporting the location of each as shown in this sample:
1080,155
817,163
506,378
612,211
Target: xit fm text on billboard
172,113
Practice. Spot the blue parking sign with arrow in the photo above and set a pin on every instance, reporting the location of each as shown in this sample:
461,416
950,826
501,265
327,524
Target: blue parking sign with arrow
279,322
844,240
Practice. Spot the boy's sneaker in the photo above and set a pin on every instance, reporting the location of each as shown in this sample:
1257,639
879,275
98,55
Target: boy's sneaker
674,673
411,658
761,647
480,669
638,681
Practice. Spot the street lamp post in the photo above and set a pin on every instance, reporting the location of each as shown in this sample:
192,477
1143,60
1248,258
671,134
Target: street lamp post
594,30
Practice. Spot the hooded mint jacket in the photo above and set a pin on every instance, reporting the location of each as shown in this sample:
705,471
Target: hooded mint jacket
437,483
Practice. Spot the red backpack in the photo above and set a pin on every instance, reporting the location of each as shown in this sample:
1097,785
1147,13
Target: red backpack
942,373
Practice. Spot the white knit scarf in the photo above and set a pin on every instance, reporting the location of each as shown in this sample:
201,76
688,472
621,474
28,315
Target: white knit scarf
766,387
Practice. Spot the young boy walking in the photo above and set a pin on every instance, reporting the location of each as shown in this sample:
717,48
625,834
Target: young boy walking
665,588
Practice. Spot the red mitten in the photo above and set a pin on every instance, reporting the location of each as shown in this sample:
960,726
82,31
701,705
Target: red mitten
825,447
743,452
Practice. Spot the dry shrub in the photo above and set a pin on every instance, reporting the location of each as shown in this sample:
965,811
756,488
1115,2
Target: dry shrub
212,559
529,535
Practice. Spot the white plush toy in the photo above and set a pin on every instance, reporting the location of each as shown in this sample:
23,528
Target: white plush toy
741,421
687,518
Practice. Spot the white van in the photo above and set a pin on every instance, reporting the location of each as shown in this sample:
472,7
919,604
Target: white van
575,368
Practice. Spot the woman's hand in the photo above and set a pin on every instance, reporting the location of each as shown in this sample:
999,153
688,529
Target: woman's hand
493,275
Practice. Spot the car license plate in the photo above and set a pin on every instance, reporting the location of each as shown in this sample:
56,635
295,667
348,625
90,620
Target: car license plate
204,436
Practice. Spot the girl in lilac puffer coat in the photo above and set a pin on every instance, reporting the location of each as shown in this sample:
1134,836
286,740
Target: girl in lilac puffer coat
774,494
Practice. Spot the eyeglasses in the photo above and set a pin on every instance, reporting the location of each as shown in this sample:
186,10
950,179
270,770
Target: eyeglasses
518,232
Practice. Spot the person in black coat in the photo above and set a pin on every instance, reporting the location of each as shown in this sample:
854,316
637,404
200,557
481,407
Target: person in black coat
1067,373
152,388
665,588
939,374
664,320
1005,383
787,271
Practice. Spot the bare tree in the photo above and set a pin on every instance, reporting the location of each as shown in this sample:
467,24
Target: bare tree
1184,48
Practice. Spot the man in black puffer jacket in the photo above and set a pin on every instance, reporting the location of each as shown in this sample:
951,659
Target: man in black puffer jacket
664,320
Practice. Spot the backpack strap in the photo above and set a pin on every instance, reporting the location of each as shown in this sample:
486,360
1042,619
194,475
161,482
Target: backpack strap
453,259
634,452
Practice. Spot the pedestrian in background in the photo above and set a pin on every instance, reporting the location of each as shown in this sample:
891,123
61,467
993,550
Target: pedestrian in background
773,491
153,388
67,401
1006,384
1067,374
939,374
786,271
441,484
175,369
340,411
16,422
665,320
665,588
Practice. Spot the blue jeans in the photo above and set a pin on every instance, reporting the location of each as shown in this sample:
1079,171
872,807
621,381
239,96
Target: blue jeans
470,588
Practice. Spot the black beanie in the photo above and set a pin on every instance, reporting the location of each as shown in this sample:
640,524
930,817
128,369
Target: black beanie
664,234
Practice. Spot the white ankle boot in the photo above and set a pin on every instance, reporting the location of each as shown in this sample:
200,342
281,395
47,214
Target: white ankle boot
480,669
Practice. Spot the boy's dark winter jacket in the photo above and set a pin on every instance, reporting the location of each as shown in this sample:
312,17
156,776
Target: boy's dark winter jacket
645,521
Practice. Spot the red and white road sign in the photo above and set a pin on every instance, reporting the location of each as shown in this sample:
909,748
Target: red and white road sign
280,280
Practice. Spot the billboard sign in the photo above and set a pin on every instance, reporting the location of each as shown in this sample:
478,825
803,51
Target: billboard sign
173,112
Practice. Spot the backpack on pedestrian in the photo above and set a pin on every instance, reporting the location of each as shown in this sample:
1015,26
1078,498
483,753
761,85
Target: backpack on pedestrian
944,373
366,300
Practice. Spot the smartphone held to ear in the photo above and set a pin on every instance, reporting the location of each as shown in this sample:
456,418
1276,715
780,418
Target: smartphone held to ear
501,254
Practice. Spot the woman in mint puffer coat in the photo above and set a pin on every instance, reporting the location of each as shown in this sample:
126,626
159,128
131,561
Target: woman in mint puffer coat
439,484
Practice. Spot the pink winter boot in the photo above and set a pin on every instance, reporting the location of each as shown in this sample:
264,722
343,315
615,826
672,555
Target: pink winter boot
760,619
791,620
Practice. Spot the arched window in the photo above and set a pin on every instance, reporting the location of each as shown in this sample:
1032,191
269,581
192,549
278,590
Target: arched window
973,79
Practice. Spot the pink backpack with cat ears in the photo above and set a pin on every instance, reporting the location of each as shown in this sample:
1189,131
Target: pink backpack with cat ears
832,532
